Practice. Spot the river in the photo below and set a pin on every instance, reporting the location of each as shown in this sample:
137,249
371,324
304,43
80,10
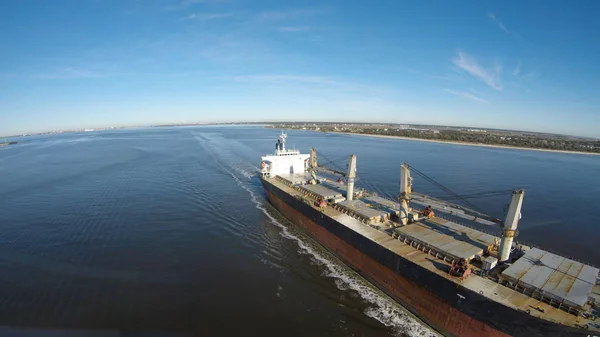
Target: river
168,229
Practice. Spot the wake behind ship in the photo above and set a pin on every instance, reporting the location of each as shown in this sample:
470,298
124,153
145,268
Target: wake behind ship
460,281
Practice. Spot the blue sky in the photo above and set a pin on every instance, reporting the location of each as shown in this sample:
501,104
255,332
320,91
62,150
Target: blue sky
530,65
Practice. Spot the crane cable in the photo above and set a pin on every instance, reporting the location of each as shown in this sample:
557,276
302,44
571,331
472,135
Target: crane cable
451,195
334,163
444,188
477,195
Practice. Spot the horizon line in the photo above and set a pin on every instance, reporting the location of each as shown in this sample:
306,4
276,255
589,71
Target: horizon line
83,129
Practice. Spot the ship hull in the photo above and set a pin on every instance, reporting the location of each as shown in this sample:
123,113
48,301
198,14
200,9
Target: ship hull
447,307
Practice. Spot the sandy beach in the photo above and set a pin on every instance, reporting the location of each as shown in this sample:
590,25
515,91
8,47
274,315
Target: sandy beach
467,144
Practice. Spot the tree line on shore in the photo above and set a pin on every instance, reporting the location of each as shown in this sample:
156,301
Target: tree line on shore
549,142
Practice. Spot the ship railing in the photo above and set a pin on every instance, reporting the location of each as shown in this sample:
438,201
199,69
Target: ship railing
352,213
307,196
429,250
300,189
283,180
307,192
314,197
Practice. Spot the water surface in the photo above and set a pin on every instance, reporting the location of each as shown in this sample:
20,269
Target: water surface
168,229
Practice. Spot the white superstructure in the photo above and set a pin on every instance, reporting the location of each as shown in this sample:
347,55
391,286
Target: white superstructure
283,161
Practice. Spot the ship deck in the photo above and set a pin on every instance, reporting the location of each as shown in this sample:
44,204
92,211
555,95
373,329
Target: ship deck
483,285
556,277
447,238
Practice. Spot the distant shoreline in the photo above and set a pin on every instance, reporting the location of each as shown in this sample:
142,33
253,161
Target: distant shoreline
459,143
3,144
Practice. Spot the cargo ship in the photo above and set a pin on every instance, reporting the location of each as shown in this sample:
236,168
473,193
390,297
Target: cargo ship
461,280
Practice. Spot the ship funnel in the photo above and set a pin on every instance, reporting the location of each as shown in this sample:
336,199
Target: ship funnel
510,225
351,175
404,191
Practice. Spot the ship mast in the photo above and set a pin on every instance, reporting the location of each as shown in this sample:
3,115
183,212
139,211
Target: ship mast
313,158
510,225
312,166
280,146
405,190
351,175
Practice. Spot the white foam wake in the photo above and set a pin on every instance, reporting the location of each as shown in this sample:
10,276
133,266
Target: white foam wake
383,310
247,174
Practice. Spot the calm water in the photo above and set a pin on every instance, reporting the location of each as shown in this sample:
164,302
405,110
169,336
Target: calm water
167,229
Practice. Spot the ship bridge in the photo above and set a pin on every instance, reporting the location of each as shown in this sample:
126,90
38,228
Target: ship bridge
283,161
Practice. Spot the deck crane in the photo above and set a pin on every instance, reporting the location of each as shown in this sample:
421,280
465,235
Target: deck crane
508,227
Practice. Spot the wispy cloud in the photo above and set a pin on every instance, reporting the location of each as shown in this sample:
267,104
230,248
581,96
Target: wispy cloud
517,70
279,78
490,77
293,29
282,15
499,23
220,46
467,95
208,16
